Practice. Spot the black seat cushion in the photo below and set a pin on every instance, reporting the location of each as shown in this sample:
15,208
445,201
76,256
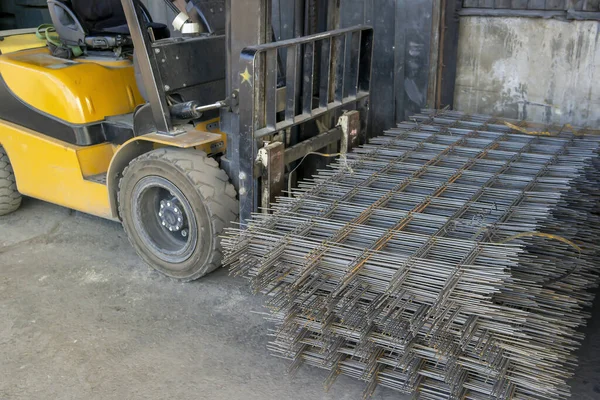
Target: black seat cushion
95,16
108,16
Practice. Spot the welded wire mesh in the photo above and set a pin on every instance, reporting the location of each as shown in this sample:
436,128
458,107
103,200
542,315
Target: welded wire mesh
449,258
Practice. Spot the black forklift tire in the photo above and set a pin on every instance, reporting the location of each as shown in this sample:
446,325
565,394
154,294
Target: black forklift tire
206,201
10,198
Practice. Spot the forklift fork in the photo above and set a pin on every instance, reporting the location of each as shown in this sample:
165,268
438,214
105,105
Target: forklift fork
270,89
343,59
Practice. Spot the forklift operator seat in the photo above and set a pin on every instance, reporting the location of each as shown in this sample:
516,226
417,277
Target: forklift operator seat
99,25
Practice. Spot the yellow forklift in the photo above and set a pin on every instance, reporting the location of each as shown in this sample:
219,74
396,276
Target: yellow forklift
177,133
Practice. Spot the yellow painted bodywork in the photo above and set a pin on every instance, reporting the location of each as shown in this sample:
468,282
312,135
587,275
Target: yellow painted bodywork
51,170
80,92
71,90
58,172
216,146
95,160
13,41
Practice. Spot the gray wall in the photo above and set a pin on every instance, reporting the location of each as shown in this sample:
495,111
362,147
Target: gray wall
159,11
542,70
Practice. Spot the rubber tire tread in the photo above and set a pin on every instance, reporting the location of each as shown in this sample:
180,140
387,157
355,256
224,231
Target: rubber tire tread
10,198
212,184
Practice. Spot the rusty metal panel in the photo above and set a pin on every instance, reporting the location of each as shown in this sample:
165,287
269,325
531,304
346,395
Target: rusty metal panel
401,59
487,3
537,4
559,9
548,5
505,3
556,5
519,4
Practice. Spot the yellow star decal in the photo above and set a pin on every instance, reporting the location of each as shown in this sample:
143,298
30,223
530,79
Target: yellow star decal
246,76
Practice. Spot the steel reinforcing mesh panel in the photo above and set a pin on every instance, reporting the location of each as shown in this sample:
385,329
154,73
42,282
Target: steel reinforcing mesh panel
450,257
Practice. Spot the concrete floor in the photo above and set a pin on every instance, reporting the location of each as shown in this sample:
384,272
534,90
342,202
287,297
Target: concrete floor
82,318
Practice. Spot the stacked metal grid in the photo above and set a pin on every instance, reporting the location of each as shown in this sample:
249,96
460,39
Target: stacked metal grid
449,258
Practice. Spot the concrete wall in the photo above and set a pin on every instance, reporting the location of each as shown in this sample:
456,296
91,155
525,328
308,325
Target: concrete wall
540,70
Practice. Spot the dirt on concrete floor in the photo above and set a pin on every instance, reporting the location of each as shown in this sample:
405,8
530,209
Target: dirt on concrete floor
81,317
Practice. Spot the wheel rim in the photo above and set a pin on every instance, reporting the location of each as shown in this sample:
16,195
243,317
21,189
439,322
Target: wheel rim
164,219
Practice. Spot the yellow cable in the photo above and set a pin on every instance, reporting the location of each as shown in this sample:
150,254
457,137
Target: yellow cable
565,128
553,237
544,235
525,131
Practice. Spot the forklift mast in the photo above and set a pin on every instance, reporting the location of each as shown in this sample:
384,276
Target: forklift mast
265,90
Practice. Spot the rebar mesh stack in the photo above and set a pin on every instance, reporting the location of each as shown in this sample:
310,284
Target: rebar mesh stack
449,258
